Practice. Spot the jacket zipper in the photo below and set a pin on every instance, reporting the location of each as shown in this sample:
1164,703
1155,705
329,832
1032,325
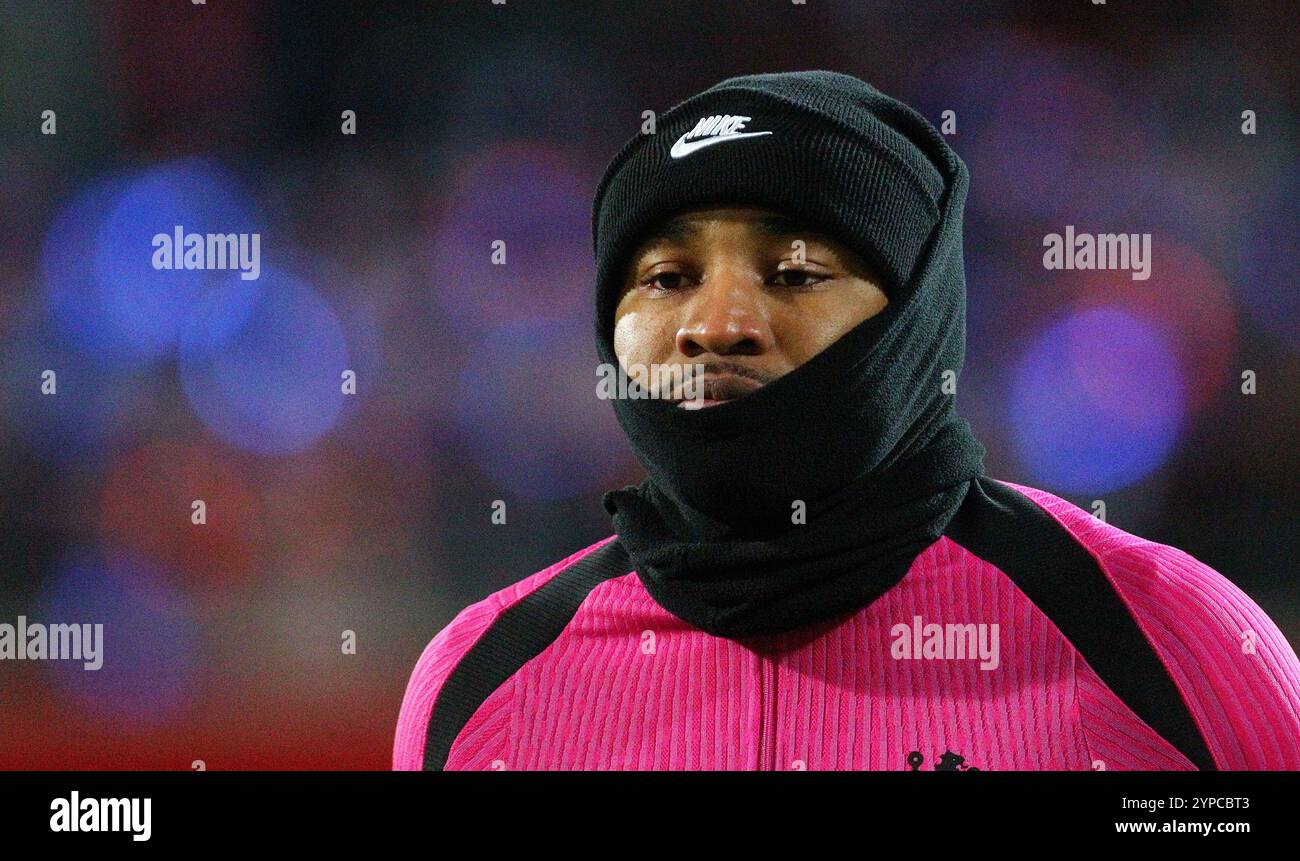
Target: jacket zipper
767,714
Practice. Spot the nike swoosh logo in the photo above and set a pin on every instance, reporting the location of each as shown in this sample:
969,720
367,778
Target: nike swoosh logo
682,148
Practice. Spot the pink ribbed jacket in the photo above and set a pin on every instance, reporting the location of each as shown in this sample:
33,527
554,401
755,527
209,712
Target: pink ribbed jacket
627,685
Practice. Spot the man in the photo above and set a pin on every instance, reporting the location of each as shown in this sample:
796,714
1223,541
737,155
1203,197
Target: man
816,573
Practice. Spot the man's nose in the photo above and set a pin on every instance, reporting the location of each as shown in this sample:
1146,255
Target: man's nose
726,316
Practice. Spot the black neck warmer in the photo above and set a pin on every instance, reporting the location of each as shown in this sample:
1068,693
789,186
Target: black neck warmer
863,439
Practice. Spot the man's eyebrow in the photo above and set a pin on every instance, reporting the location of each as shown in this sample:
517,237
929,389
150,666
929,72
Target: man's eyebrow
673,230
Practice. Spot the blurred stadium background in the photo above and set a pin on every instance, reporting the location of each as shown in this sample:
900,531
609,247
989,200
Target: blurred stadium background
475,382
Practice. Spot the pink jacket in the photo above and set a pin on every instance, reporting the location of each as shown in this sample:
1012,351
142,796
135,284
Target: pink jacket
620,683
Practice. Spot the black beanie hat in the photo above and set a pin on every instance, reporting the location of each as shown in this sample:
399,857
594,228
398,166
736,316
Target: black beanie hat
821,146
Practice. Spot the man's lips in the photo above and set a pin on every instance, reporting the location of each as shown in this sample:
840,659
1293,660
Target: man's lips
717,389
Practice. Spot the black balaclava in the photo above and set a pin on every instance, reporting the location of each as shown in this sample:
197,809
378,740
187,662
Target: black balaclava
863,439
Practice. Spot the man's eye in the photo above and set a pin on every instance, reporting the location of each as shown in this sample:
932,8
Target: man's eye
796,278
666,281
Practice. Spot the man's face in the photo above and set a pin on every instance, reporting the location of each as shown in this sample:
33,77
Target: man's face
731,288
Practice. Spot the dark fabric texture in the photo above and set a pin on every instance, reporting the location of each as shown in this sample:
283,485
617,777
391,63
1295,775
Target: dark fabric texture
863,434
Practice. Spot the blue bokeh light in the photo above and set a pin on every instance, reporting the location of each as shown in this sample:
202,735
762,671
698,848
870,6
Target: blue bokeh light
1097,402
98,258
274,385
68,270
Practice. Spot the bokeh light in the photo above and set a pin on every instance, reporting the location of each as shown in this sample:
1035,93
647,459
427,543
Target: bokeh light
1097,402
275,386
99,258
1191,301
